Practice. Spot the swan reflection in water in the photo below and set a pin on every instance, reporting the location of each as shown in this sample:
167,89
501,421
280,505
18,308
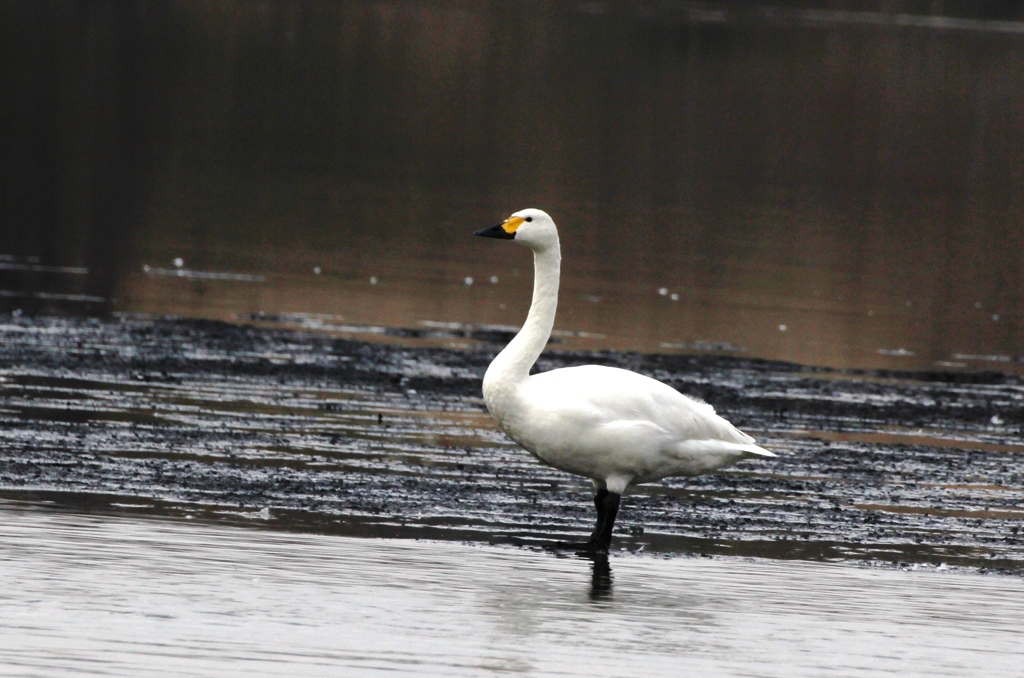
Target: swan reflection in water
600,575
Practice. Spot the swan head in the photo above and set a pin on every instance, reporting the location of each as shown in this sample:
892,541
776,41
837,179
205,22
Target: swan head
530,227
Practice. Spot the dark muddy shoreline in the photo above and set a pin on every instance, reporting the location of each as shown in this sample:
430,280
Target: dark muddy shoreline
305,431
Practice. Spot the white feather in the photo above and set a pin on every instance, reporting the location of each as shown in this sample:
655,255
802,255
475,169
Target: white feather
614,426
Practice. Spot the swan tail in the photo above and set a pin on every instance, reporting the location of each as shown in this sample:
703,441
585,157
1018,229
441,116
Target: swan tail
755,451
702,456
744,443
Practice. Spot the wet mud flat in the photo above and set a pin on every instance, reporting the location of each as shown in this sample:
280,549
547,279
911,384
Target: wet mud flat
267,426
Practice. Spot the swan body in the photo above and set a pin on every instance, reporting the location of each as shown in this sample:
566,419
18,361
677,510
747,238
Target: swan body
616,427
619,428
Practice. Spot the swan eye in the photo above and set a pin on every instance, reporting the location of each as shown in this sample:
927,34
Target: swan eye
529,218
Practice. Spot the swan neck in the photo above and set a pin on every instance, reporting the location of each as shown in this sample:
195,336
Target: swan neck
515,361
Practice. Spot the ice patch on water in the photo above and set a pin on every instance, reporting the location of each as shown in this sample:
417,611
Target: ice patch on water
701,345
201,275
988,358
896,352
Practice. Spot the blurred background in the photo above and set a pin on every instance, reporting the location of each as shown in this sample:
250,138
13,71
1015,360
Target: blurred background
834,183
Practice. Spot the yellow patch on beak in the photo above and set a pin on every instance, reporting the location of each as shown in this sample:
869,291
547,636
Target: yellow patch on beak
512,223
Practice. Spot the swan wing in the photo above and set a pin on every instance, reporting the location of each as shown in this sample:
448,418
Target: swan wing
607,395
621,426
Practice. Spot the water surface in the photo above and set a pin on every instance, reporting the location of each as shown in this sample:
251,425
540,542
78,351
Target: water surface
827,187
128,597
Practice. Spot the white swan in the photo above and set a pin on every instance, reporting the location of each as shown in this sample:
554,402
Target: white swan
616,427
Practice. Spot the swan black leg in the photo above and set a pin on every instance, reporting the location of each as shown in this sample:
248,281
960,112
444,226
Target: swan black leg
607,504
599,500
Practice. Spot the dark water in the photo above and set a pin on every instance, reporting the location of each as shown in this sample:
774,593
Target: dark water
852,174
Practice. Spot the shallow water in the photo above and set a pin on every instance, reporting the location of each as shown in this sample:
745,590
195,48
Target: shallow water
142,597
175,417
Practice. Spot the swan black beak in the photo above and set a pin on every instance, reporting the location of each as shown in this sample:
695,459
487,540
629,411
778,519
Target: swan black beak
496,232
